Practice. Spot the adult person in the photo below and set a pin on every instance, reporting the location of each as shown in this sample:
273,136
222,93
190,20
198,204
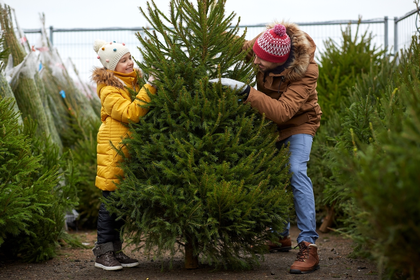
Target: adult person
286,94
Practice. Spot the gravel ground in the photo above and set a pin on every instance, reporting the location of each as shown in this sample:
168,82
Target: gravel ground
79,264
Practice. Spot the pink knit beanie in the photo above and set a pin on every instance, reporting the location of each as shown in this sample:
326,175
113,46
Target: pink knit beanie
273,45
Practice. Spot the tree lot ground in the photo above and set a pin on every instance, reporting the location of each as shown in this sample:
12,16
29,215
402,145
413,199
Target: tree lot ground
79,264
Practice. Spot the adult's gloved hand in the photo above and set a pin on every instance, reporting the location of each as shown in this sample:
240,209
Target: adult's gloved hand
234,84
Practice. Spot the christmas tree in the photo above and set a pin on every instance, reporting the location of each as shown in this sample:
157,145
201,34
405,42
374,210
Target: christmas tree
203,174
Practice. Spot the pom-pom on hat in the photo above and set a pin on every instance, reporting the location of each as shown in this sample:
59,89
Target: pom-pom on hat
273,45
109,53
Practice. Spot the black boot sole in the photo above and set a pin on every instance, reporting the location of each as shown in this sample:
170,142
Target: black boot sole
280,249
296,271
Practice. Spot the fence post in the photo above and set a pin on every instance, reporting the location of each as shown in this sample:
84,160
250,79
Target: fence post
386,33
395,35
51,35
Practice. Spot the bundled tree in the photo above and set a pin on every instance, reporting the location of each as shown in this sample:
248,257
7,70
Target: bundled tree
5,90
204,174
73,113
25,82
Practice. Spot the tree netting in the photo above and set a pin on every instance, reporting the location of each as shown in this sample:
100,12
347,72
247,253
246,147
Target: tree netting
25,81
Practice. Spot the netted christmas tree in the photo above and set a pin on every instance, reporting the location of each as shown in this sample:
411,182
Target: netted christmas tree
25,81
204,176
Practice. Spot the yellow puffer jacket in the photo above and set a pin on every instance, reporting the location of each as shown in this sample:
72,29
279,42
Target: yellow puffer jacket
117,110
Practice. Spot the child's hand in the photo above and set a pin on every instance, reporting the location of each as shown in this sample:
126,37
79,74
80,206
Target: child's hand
151,79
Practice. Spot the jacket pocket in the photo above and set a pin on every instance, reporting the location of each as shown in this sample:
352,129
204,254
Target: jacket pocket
296,120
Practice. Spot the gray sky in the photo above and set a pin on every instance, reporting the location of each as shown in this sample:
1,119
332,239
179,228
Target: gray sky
125,13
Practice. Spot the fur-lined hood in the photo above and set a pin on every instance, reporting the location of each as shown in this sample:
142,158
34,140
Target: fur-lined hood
303,49
102,76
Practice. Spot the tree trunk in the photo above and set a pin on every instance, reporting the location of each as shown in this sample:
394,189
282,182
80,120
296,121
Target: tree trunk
328,220
191,260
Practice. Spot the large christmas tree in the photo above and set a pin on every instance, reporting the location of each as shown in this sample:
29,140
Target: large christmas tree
204,174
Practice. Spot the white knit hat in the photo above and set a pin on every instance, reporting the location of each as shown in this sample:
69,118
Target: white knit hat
109,53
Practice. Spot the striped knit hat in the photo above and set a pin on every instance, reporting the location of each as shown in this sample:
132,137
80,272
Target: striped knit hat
273,45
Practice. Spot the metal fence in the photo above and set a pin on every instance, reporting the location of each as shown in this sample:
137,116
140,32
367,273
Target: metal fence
77,43
404,28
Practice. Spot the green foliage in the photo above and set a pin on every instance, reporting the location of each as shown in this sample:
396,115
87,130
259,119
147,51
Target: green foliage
17,162
203,167
374,164
340,68
32,198
386,173
350,127
83,154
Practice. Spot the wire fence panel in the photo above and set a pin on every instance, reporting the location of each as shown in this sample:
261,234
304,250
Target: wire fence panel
405,28
322,31
78,43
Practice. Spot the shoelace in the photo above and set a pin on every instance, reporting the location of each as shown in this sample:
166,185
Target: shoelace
303,252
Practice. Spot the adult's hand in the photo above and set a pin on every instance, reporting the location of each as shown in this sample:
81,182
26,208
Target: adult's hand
234,84
231,83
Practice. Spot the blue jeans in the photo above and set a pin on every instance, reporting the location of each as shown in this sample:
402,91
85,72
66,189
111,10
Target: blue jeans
300,149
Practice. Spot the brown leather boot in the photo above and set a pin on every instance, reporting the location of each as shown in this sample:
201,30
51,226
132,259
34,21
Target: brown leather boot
283,245
307,259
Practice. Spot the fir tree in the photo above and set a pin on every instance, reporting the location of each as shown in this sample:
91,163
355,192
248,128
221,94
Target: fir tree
341,66
204,174
384,169
33,197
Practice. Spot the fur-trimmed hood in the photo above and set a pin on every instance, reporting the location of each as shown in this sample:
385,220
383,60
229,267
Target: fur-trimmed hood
303,49
102,76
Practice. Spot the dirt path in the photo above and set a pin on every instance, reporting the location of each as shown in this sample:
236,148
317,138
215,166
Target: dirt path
79,264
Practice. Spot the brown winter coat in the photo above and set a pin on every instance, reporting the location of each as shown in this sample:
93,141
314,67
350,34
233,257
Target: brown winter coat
290,98
117,110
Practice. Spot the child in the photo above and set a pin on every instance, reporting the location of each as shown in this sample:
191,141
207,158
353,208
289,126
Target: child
117,110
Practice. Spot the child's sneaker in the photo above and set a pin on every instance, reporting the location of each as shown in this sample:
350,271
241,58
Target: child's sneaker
108,261
125,260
